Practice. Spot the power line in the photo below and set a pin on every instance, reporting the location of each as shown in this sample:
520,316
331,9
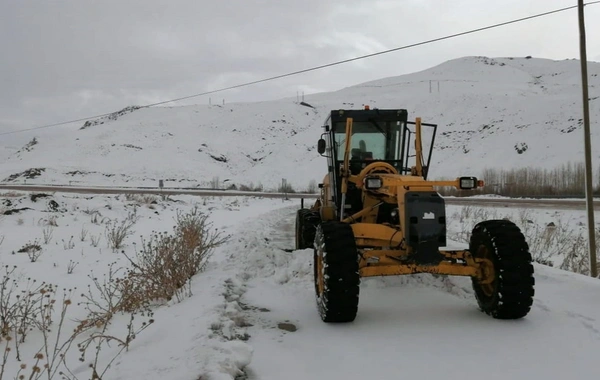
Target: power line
316,67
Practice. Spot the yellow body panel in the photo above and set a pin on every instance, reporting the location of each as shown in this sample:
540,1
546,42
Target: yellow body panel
376,235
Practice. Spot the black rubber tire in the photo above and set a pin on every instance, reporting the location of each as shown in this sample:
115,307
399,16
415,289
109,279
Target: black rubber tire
306,224
510,296
336,247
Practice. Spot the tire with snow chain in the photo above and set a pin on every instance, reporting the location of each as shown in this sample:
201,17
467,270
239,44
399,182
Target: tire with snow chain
510,293
306,224
336,275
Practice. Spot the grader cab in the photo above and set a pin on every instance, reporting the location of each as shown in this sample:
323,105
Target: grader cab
379,215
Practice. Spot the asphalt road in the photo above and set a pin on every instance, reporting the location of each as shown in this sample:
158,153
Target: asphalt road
554,204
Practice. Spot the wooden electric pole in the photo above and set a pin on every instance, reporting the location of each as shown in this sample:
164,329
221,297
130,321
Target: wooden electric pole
587,143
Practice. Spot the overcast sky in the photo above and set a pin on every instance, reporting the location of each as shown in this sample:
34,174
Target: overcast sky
66,59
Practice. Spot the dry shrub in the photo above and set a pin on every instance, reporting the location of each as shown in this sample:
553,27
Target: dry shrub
163,268
47,233
147,199
555,244
11,194
29,307
116,232
33,250
25,306
251,187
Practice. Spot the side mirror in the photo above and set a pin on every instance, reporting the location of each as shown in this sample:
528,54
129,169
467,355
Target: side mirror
321,146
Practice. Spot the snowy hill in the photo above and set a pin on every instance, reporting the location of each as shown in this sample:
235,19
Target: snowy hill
492,113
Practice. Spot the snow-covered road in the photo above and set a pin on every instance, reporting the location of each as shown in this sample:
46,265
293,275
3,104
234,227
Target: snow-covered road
418,326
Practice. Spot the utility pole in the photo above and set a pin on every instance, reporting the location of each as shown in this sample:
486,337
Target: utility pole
588,146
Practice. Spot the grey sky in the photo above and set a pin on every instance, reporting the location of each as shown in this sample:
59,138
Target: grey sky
67,59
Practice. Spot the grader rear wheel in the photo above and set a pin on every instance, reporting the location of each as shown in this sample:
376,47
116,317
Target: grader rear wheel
509,290
306,223
336,275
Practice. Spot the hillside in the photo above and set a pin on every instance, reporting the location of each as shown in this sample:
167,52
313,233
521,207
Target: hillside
492,113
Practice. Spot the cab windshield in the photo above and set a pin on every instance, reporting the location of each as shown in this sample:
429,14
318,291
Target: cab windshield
371,140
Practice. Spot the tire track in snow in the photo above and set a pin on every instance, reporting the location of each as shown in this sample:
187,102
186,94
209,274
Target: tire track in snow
257,249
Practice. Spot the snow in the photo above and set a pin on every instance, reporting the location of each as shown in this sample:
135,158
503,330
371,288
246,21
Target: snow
252,312
230,327
488,110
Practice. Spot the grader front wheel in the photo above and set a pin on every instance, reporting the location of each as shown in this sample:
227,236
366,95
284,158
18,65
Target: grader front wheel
508,290
336,275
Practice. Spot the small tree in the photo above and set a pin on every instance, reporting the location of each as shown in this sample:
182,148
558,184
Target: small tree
312,187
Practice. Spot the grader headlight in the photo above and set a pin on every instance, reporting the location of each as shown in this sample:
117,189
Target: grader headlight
373,183
468,183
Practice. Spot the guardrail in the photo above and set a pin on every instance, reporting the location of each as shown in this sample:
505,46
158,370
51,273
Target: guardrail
486,201
153,190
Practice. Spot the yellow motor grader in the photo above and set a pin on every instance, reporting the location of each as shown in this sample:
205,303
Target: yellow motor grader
379,215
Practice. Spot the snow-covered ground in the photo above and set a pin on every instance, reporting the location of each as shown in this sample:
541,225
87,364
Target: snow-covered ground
501,113
252,314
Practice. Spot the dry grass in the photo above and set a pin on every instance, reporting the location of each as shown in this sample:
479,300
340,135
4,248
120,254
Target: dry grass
47,234
161,270
556,244
251,187
11,194
146,199
116,232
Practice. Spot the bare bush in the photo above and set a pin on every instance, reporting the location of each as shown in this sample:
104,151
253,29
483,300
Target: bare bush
71,266
104,299
52,221
215,183
33,250
89,211
251,187
12,194
102,338
116,232
147,199
83,234
285,187
20,311
68,244
163,268
555,244
94,240
28,306
97,218
312,187
47,233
